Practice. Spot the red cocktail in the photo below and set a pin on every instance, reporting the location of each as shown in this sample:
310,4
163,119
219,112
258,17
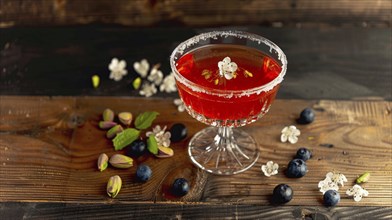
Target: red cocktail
227,79
234,107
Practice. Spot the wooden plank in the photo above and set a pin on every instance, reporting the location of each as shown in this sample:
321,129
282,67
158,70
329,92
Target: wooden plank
332,63
195,13
186,211
51,155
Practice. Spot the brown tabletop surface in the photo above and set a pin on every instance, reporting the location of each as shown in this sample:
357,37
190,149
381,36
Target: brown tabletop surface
339,63
49,148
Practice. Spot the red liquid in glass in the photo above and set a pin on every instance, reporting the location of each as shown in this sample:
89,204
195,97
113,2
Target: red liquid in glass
255,69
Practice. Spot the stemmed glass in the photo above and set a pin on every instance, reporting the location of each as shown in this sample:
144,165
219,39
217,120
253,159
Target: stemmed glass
227,79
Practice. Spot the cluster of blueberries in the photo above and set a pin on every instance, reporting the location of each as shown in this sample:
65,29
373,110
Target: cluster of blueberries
297,168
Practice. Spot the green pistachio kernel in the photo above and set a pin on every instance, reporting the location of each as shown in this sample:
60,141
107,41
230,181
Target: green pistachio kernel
363,178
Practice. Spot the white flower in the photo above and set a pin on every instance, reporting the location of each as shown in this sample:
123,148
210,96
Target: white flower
156,76
141,67
180,105
148,90
168,84
332,181
327,184
227,68
290,133
117,69
162,137
337,178
357,192
270,168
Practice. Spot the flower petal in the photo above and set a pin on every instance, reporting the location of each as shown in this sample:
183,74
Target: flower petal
113,64
293,139
285,129
270,163
296,132
283,138
122,64
357,197
229,75
181,108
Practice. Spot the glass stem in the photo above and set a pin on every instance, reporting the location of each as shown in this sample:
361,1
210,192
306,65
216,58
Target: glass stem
225,142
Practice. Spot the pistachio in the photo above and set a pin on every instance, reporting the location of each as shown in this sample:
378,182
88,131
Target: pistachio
125,118
108,115
114,131
164,152
137,83
102,162
114,185
121,161
95,81
106,124
363,178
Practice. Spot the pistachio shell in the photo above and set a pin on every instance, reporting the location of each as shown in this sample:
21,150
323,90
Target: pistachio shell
125,118
121,161
114,131
164,152
108,115
114,185
106,124
102,162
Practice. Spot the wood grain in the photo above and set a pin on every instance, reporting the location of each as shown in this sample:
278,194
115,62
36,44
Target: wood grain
323,63
194,13
187,211
49,148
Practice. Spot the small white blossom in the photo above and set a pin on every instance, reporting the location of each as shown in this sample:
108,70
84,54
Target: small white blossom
168,84
327,184
117,69
357,192
337,178
332,181
270,168
162,137
156,76
148,90
227,68
290,133
142,67
180,105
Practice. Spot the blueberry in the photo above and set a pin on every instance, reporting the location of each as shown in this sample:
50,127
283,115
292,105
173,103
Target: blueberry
143,173
282,194
331,197
296,168
306,116
178,132
303,154
136,148
180,187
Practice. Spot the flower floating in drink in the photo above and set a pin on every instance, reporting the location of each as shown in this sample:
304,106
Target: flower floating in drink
227,79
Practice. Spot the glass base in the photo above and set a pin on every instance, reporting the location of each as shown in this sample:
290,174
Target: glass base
223,150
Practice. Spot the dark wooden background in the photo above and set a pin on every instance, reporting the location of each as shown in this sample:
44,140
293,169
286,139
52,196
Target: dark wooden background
337,50
196,13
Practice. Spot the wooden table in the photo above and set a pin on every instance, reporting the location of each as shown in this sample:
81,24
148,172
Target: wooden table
49,148
339,63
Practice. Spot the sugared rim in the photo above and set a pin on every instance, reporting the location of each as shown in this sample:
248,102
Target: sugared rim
179,51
